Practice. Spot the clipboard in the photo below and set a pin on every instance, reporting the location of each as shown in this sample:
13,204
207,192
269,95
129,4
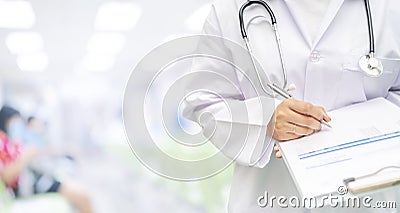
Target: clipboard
372,185
360,152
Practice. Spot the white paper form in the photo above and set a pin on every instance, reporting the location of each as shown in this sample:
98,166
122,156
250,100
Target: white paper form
364,138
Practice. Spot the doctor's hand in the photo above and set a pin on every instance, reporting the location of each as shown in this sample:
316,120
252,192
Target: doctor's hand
295,119
278,153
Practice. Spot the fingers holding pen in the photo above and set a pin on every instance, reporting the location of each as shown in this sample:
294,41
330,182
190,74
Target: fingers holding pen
295,119
304,121
309,109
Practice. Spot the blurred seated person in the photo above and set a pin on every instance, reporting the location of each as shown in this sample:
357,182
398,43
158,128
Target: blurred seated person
35,133
15,172
32,133
55,161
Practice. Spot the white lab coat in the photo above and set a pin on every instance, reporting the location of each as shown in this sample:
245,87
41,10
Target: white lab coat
324,69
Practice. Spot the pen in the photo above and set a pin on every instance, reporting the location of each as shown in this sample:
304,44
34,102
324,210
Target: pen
286,95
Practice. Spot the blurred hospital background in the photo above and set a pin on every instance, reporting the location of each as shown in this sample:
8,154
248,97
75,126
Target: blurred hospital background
66,62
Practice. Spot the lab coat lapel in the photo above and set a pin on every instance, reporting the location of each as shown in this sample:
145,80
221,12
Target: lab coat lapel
327,20
291,5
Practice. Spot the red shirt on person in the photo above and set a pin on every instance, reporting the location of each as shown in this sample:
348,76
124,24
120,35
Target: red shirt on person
9,152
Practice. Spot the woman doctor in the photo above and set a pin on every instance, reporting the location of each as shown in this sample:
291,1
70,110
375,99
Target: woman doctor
322,42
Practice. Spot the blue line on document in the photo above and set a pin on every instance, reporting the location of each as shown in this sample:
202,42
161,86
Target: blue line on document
351,144
343,144
333,162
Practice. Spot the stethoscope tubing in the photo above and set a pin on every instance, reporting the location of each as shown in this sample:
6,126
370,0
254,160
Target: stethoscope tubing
273,19
246,5
283,89
277,37
370,27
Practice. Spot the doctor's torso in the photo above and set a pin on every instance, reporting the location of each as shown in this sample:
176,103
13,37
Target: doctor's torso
324,67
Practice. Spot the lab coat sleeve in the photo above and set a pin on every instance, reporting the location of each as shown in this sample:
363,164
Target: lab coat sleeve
236,122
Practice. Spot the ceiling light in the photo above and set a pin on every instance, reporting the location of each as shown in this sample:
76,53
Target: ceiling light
24,42
32,62
16,14
196,21
106,43
117,16
98,62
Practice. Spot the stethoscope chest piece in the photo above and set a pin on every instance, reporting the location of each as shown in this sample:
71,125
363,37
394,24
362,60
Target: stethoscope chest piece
371,66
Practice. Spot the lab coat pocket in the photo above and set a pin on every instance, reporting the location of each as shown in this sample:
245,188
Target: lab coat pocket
350,88
377,86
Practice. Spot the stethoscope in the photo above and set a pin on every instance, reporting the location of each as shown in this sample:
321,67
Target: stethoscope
368,63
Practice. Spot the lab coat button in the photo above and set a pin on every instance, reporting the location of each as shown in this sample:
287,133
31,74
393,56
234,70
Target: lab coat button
315,56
